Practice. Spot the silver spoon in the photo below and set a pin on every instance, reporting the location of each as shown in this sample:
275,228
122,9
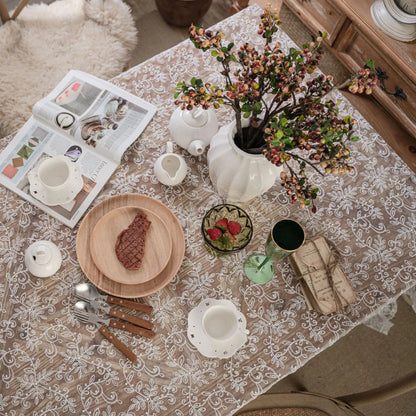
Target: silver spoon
86,313
112,338
88,292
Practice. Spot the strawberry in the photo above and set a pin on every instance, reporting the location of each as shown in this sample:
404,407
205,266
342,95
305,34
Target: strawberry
227,239
222,224
214,233
234,227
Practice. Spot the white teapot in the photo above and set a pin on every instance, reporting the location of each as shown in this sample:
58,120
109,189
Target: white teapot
193,130
170,168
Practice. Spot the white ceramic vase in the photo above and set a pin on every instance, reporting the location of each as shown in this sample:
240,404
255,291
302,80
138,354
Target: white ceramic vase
236,175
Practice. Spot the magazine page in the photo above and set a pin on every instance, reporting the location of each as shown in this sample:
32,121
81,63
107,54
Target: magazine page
36,142
95,113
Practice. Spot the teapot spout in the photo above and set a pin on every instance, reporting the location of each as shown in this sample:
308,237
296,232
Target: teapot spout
196,147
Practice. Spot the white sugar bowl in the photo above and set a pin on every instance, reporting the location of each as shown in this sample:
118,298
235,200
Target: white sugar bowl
43,258
193,129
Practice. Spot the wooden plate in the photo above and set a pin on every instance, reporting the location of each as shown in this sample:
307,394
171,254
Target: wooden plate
140,289
157,250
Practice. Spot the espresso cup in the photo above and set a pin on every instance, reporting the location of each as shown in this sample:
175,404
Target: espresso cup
220,323
54,173
55,181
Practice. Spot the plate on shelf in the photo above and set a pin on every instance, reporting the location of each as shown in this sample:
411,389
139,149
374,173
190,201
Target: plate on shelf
157,248
139,289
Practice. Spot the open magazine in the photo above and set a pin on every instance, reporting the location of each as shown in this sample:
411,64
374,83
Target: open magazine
90,121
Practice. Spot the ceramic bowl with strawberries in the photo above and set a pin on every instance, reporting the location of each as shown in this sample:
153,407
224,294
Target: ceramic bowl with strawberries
226,229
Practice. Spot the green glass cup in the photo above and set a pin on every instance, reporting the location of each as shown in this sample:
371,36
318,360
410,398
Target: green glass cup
286,236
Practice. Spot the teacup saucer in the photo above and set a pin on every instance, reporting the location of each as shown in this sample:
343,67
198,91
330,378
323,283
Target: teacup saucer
64,196
206,345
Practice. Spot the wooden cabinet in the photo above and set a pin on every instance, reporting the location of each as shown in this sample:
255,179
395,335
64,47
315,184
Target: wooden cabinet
354,39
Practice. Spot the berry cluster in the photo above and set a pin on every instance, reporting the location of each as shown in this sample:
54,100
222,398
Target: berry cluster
365,81
224,232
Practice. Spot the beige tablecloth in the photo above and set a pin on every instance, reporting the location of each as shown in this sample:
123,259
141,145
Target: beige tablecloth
53,365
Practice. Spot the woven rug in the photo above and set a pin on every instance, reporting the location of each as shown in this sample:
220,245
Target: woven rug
46,41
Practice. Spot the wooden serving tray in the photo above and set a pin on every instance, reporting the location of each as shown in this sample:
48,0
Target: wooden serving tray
103,238
140,289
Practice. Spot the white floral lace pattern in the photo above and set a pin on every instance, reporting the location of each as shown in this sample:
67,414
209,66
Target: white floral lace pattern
51,364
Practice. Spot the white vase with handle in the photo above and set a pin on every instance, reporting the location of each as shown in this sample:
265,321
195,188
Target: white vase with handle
236,175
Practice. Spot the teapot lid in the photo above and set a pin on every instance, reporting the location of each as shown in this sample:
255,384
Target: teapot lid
196,117
43,258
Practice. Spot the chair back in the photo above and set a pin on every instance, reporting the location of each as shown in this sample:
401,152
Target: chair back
305,403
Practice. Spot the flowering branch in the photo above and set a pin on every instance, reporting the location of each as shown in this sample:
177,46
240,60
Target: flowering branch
289,118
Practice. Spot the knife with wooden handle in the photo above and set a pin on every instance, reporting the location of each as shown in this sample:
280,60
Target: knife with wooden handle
131,328
129,318
118,344
124,316
129,304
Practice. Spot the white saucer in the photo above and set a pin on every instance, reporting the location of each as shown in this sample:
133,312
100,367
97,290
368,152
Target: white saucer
206,345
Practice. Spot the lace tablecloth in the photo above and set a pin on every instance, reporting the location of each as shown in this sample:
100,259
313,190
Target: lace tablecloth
53,365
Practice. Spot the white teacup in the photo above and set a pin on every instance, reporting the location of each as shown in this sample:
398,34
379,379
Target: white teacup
170,168
220,322
55,181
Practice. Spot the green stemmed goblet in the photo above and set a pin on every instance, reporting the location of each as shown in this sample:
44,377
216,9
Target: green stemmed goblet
286,236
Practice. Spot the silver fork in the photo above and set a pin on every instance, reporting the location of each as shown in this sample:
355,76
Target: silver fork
113,339
86,313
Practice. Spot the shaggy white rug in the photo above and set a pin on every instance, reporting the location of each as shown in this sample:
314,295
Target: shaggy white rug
46,41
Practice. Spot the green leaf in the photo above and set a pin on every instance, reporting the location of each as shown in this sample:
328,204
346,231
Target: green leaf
246,107
355,139
177,94
307,202
230,46
193,81
247,114
279,134
283,122
214,53
257,106
370,64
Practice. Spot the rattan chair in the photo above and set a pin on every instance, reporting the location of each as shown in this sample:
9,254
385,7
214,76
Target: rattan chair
314,404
